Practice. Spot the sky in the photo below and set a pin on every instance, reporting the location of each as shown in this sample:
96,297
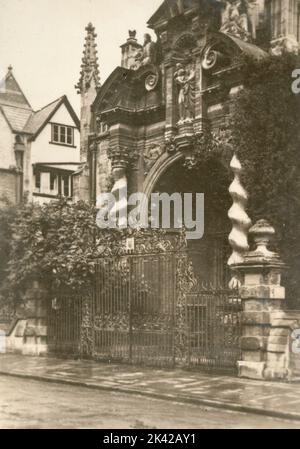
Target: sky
43,41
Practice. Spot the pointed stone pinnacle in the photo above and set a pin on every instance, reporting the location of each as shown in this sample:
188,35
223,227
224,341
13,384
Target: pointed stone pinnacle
89,66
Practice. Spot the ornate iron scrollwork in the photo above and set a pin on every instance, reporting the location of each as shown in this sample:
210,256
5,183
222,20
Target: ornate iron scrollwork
113,243
185,282
86,334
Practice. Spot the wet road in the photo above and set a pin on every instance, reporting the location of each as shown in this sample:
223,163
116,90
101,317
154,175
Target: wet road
34,404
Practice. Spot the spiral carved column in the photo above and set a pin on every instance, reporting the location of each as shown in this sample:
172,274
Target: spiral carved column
119,190
241,223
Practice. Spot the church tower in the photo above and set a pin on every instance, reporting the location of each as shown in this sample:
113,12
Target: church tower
87,87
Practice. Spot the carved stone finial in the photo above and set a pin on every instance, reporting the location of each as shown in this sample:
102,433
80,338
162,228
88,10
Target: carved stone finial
262,233
132,34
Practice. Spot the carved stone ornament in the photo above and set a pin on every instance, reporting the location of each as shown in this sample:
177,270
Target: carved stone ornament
210,59
151,155
149,75
148,54
132,34
151,81
182,51
123,157
170,145
236,16
282,45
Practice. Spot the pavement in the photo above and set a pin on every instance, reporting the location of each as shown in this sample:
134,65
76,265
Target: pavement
273,399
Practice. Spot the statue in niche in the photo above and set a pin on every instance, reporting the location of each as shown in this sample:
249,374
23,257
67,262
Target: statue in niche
185,80
148,55
236,18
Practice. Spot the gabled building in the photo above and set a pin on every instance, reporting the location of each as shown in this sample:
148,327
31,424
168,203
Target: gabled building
39,150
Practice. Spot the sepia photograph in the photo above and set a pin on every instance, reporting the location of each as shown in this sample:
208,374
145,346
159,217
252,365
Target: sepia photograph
149,217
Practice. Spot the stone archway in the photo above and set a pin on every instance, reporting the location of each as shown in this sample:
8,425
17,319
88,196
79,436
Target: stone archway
210,254
162,164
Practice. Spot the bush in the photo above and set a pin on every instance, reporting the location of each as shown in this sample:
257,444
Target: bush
8,213
52,243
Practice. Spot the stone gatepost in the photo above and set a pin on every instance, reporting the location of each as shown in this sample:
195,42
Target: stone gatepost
263,346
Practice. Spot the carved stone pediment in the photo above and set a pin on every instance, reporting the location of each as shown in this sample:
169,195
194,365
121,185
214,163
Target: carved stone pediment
127,93
222,50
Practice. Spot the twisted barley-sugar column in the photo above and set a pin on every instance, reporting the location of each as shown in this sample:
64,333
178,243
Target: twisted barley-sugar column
119,190
241,223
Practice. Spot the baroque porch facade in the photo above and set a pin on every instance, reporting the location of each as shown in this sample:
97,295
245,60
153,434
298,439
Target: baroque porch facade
149,117
139,131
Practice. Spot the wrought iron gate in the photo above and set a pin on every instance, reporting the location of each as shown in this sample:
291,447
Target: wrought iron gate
149,308
134,309
64,324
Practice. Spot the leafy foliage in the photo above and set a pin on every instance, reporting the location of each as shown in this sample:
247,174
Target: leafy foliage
210,146
7,215
266,134
53,243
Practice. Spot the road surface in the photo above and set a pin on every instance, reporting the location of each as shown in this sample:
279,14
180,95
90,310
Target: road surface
39,405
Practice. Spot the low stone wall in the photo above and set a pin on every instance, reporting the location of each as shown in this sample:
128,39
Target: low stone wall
282,346
27,334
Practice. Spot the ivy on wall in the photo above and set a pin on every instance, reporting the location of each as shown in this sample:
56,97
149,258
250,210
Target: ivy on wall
265,130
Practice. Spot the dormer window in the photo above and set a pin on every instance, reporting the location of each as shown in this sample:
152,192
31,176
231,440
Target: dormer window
62,135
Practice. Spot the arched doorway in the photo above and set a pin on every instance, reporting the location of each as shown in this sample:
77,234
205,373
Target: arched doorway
211,177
